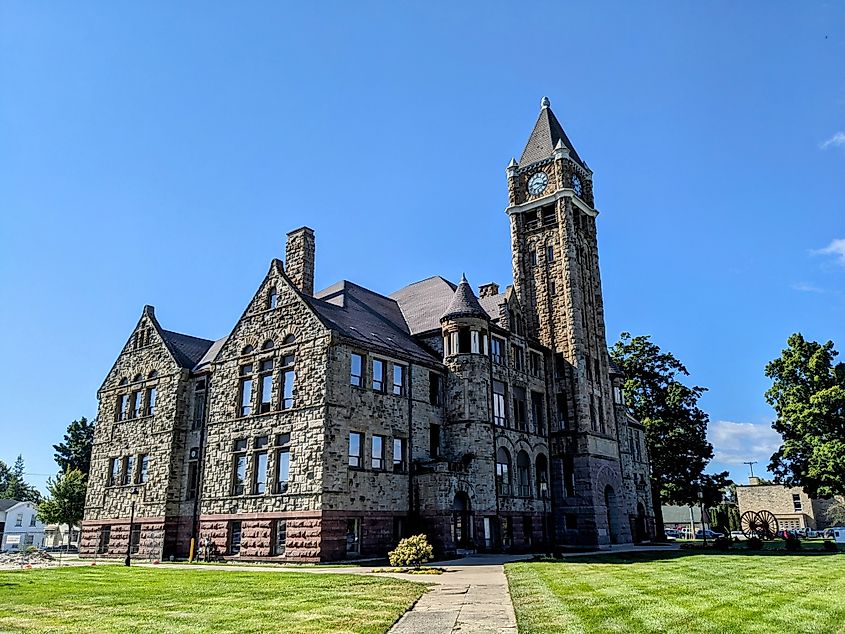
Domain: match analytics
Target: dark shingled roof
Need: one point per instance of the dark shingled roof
(366, 316)
(541, 144)
(423, 303)
(187, 350)
(6, 504)
(464, 303)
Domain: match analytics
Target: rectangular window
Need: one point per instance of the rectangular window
(128, 469)
(617, 396)
(199, 404)
(475, 341)
(137, 407)
(238, 473)
(288, 379)
(32, 520)
(517, 358)
(105, 538)
(399, 463)
(568, 477)
(353, 536)
(571, 521)
(552, 288)
(151, 401)
(135, 539)
(796, 503)
(378, 375)
(143, 468)
(121, 407)
(500, 416)
(19, 520)
(193, 480)
(532, 257)
(355, 442)
(560, 366)
(280, 531)
(245, 391)
(562, 412)
(282, 469)
(378, 452)
(434, 390)
(519, 409)
(235, 537)
(638, 446)
(434, 440)
(272, 298)
(507, 532)
(464, 339)
(265, 387)
(538, 413)
(497, 350)
(550, 253)
(593, 422)
(357, 366)
(536, 363)
(114, 471)
(398, 529)
(261, 442)
(399, 379)
(28, 540)
(259, 473)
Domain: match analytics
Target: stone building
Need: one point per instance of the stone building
(793, 508)
(328, 425)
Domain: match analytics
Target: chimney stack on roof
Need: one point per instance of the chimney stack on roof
(488, 290)
(299, 259)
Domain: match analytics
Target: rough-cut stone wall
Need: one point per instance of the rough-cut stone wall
(778, 499)
(299, 259)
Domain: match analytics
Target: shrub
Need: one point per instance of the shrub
(722, 543)
(829, 546)
(411, 551)
(754, 543)
(792, 543)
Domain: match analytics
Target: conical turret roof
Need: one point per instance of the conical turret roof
(464, 303)
(545, 136)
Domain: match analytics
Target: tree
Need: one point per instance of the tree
(16, 486)
(75, 451)
(65, 503)
(836, 513)
(676, 428)
(808, 396)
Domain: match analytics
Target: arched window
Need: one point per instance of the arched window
(247, 350)
(523, 474)
(542, 469)
(289, 339)
(503, 471)
(152, 375)
(272, 297)
(124, 381)
(138, 378)
(268, 345)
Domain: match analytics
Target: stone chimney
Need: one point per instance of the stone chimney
(488, 290)
(753, 481)
(299, 259)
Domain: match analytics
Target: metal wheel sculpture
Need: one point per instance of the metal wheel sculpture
(762, 524)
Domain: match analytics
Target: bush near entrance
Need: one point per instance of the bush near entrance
(411, 552)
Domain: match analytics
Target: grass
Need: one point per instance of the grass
(681, 592)
(112, 599)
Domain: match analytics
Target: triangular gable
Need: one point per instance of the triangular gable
(288, 300)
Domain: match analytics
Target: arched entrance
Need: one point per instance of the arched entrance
(461, 521)
(612, 505)
(639, 528)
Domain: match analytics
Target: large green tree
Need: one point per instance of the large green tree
(65, 503)
(16, 486)
(75, 451)
(808, 396)
(676, 427)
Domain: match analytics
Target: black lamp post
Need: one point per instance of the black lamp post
(128, 559)
(701, 510)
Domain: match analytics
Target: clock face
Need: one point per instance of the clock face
(577, 186)
(537, 184)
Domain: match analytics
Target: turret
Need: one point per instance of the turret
(465, 324)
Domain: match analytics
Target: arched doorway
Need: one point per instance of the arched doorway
(611, 505)
(639, 529)
(461, 521)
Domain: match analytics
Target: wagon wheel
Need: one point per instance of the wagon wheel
(748, 524)
(767, 525)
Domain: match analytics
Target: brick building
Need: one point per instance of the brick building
(327, 425)
(792, 507)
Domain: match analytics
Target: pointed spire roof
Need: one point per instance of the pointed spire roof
(464, 303)
(546, 135)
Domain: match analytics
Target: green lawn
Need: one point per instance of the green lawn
(116, 599)
(680, 592)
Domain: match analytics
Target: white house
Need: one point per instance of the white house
(22, 527)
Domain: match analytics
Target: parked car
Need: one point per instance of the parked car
(672, 534)
(699, 534)
(738, 535)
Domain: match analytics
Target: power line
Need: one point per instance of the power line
(751, 464)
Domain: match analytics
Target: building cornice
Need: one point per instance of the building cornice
(566, 192)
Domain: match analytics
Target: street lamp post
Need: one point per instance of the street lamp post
(701, 510)
(128, 559)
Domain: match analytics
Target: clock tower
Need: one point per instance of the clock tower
(556, 277)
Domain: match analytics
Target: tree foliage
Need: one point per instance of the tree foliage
(836, 513)
(808, 396)
(65, 503)
(13, 485)
(75, 451)
(676, 427)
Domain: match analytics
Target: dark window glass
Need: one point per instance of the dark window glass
(355, 376)
(562, 411)
(523, 474)
(151, 401)
(399, 464)
(279, 536)
(234, 537)
(265, 396)
(105, 538)
(464, 345)
(398, 379)
(239, 474)
(378, 452)
(355, 439)
(538, 413)
(500, 416)
(497, 350)
(353, 536)
(122, 407)
(519, 409)
(550, 253)
(143, 468)
(193, 480)
(503, 469)
(245, 390)
(114, 477)
(434, 440)
(434, 390)
(378, 375)
(259, 476)
(288, 380)
(135, 539)
(128, 469)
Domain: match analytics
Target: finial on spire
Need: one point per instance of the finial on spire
(545, 103)
(464, 278)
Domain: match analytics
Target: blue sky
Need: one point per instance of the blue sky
(158, 153)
